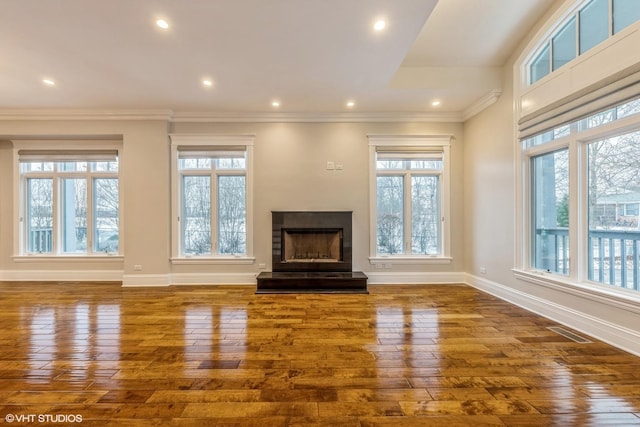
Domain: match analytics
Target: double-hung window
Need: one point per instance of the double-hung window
(212, 197)
(410, 200)
(69, 202)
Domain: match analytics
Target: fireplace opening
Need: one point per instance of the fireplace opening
(312, 245)
(311, 241)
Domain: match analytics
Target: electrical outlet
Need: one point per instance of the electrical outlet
(483, 270)
(331, 166)
(137, 267)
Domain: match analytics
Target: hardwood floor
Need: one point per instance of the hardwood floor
(436, 355)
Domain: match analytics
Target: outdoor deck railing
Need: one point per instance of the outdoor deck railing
(614, 260)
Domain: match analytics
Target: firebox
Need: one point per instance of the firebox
(311, 241)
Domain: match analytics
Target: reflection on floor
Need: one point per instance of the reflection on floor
(435, 355)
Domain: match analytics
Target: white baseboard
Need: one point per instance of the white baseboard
(616, 335)
(61, 275)
(213, 279)
(145, 280)
(414, 278)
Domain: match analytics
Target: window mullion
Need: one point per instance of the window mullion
(57, 214)
(407, 213)
(213, 187)
(91, 202)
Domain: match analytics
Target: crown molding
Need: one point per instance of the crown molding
(81, 114)
(221, 117)
(487, 100)
(226, 117)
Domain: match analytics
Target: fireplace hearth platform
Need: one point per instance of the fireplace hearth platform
(352, 282)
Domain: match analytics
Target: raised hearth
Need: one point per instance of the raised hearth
(311, 252)
(318, 282)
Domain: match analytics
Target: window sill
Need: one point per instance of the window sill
(239, 259)
(622, 298)
(68, 258)
(410, 260)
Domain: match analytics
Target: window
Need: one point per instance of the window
(613, 180)
(585, 224)
(588, 26)
(625, 13)
(69, 202)
(564, 44)
(410, 194)
(550, 211)
(541, 65)
(212, 198)
(594, 24)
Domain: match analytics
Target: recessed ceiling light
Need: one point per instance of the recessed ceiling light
(162, 24)
(351, 104)
(435, 104)
(48, 82)
(275, 104)
(207, 82)
(379, 25)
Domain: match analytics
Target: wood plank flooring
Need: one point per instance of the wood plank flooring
(435, 355)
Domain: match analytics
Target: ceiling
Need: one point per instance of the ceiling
(312, 56)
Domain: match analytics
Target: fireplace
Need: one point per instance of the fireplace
(311, 241)
(311, 252)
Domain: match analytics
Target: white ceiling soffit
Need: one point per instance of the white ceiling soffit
(108, 59)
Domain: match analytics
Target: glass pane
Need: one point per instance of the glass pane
(625, 13)
(231, 163)
(598, 119)
(105, 215)
(39, 215)
(391, 164)
(196, 215)
(390, 215)
(614, 194)
(105, 166)
(425, 215)
(36, 166)
(559, 132)
(541, 65)
(564, 44)
(550, 212)
(232, 215)
(629, 108)
(73, 166)
(426, 164)
(74, 215)
(195, 163)
(594, 24)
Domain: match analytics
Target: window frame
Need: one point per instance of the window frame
(211, 142)
(397, 143)
(64, 150)
(577, 143)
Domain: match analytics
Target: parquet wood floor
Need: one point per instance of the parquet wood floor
(437, 355)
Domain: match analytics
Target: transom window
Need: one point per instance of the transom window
(410, 215)
(591, 24)
(211, 197)
(70, 202)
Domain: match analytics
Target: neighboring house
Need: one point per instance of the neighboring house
(618, 210)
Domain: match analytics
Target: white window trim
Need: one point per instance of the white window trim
(208, 140)
(19, 250)
(436, 141)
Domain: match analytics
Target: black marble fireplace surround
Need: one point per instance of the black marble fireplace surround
(311, 252)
